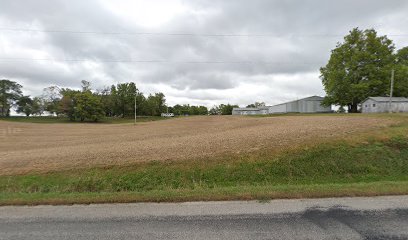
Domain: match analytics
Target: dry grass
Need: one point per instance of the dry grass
(36, 148)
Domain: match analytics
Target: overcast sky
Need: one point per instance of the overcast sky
(203, 52)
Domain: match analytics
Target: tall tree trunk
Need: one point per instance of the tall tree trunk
(354, 108)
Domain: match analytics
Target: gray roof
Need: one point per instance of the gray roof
(387, 99)
(311, 98)
(315, 98)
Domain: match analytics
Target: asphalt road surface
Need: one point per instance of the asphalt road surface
(334, 218)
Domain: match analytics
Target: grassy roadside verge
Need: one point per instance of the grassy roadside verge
(375, 163)
(261, 193)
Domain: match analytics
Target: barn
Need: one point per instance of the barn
(311, 104)
(382, 105)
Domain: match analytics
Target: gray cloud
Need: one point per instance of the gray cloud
(280, 66)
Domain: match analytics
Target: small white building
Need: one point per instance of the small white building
(246, 111)
(167, 114)
(382, 105)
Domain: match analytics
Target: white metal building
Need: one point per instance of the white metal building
(382, 105)
(246, 111)
(306, 105)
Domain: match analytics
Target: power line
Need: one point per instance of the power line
(181, 33)
(155, 61)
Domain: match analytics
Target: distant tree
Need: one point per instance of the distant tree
(107, 101)
(124, 97)
(401, 73)
(38, 106)
(215, 110)
(194, 110)
(222, 109)
(180, 109)
(88, 107)
(227, 109)
(10, 92)
(203, 110)
(81, 105)
(67, 104)
(51, 97)
(156, 104)
(161, 102)
(358, 68)
(140, 103)
(176, 109)
(256, 105)
(186, 109)
(86, 86)
(25, 105)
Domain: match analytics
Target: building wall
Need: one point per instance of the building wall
(246, 112)
(312, 106)
(263, 111)
(281, 108)
(306, 105)
(292, 107)
(371, 106)
(400, 107)
(309, 105)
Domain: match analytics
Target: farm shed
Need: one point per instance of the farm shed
(305, 105)
(382, 104)
(246, 111)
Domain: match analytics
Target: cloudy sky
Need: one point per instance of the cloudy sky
(196, 51)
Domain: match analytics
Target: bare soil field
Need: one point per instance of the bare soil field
(30, 147)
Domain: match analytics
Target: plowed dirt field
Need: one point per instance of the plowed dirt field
(28, 147)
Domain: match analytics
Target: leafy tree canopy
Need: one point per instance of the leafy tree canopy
(25, 105)
(256, 105)
(358, 68)
(10, 92)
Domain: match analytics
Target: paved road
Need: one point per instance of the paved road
(341, 218)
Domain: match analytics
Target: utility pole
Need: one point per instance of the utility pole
(391, 91)
(135, 105)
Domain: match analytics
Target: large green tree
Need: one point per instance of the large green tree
(156, 104)
(222, 109)
(81, 105)
(10, 92)
(38, 106)
(186, 109)
(52, 98)
(358, 68)
(25, 105)
(401, 73)
(88, 106)
(67, 104)
(123, 95)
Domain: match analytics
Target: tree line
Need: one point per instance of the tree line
(87, 104)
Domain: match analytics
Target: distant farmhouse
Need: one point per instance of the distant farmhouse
(306, 105)
(382, 105)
